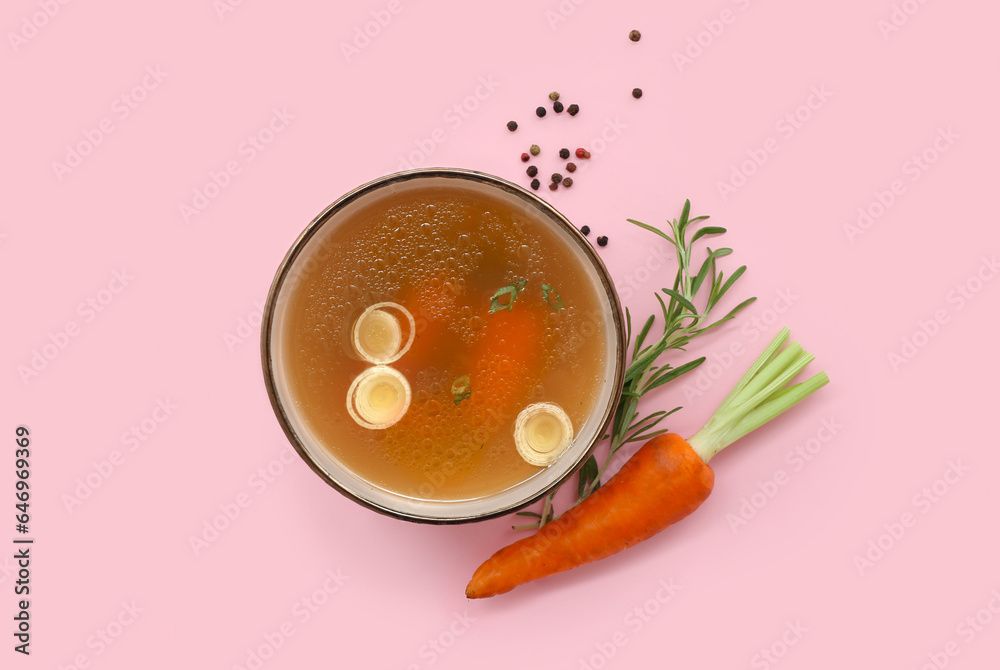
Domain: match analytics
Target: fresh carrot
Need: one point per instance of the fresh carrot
(663, 482)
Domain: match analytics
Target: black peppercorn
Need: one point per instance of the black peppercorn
(557, 107)
(564, 153)
(535, 184)
(603, 240)
(636, 92)
(635, 35)
(540, 112)
(512, 126)
(532, 170)
(585, 230)
(573, 109)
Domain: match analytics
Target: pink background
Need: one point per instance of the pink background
(787, 581)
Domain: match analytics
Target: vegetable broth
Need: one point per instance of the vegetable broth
(443, 253)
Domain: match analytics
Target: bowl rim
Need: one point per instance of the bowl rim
(547, 209)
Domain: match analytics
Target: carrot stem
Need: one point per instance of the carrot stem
(761, 395)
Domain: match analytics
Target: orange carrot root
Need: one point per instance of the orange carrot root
(660, 485)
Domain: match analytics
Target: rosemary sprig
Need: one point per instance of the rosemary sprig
(683, 320)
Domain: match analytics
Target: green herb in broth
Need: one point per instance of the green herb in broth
(460, 385)
(512, 290)
(460, 389)
(555, 303)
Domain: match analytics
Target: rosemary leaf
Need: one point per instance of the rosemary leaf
(682, 300)
(707, 230)
(672, 374)
(642, 335)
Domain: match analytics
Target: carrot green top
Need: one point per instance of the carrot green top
(760, 396)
